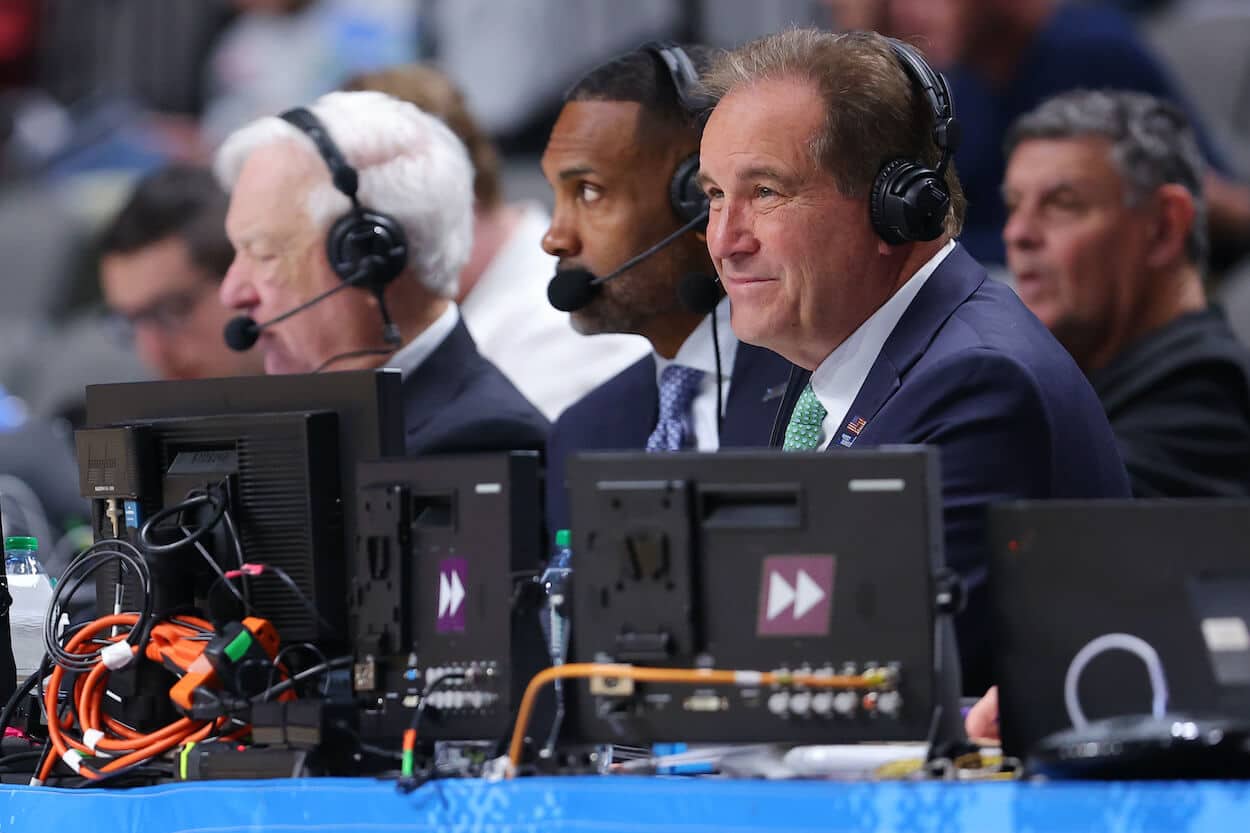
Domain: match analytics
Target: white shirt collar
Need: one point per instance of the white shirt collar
(409, 357)
(696, 351)
(837, 380)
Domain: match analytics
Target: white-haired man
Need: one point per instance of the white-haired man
(287, 193)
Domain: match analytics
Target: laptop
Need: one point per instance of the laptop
(1151, 599)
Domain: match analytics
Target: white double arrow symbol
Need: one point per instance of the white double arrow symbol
(804, 595)
(450, 593)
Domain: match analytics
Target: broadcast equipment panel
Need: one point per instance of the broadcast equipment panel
(822, 565)
(446, 547)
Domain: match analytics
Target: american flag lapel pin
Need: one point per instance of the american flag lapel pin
(851, 432)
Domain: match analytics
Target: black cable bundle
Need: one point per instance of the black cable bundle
(76, 574)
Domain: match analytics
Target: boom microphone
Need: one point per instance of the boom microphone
(572, 289)
(242, 331)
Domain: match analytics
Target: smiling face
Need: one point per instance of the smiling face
(798, 259)
(280, 262)
(610, 177)
(1077, 249)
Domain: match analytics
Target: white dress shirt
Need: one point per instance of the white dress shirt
(409, 357)
(532, 342)
(837, 380)
(697, 352)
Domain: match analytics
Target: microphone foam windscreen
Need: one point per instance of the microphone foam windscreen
(241, 333)
(572, 289)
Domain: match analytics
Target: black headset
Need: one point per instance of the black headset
(909, 200)
(687, 198)
(366, 247)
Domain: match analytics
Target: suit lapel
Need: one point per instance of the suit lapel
(755, 393)
(794, 386)
(631, 416)
(879, 386)
(437, 380)
(955, 279)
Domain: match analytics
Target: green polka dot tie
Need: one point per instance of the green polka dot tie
(803, 433)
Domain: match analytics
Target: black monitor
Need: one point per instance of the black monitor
(1171, 577)
(282, 452)
(758, 561)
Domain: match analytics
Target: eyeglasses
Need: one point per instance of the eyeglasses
(166, 313)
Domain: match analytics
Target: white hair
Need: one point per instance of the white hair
(410, 165)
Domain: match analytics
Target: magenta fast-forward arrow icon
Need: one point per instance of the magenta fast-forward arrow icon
(796, 595)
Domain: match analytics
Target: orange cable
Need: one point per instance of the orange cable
(88, 696)
(686, 676)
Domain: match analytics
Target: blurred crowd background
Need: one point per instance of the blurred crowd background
(96, 93)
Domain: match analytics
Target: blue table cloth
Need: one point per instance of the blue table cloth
(632, 805)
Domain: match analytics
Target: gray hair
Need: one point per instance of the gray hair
(1152, 144)
(411, 166)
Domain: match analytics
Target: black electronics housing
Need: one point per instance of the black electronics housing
(446, 547)
(279, 454)
(760, 561)
(1172, 574)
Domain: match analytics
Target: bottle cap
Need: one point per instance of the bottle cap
(21, 542)
(563, 538)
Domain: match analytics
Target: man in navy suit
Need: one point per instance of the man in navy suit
(412, 170)
(833, 217)
(622, 137)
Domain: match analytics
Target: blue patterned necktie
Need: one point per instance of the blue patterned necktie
(675, 428)
(804, 433)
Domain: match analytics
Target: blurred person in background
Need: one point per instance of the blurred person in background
(397, 218)
(278, 53)
(1106, 235)
(1003, 58)
(18, 41)
(162, 261)
(503, 286)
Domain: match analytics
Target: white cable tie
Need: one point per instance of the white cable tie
(90, 738)
(751, 678)
(498, 769)
(117, 656)
(73, 759)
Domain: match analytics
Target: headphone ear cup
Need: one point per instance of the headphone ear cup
(367, 240)
(908, 203)
(684, 193)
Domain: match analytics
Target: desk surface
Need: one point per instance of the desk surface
(633, 804)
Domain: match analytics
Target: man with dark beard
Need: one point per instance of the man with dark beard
(626, 139)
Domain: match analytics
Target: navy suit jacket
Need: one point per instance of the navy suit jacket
(457, 401)
(970, 370)
(620, 415)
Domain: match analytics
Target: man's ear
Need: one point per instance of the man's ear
(1174, 215)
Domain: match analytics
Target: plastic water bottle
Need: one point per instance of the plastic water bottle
(554, 618)
(32, 594)
(556, 585)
